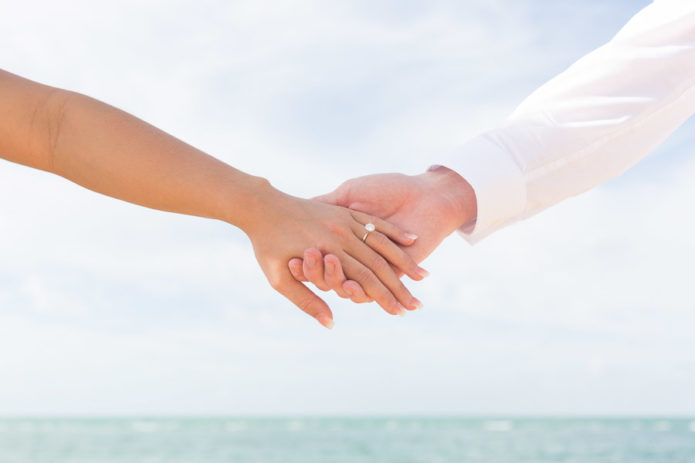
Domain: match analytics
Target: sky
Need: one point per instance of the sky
(112, 309)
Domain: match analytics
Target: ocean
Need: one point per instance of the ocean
(339, 440)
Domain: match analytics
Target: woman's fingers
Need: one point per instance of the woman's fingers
(383, 271)
(394, 232)
(369, 261)
(395, 255)
(364, 253)
(373, 284)
(305, 299)
(327, 272)
(381, 241)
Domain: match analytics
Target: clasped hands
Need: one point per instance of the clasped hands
(412, 215)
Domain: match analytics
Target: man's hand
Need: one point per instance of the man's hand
(430, 205)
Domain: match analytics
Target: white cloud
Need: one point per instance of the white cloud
(126, 310)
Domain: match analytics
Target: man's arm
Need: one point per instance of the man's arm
(587, 125)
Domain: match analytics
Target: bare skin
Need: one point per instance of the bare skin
(111, 152)
(432, 205)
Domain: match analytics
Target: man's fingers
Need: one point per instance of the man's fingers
(306, 300)
(333, 274)
(296, 267)
(330, 198)
(334, 278)
(313, 268)
(356, 293)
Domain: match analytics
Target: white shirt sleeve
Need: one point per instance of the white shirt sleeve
(588, 124)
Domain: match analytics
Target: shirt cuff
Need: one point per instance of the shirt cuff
(498, 182)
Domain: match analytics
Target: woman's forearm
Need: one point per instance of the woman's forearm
(111, 152)
(116, 154)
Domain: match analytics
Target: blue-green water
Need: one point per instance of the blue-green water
(338, 440)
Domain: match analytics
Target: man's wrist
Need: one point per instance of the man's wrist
(456, 194)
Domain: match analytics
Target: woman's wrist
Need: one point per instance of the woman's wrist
(246, 202)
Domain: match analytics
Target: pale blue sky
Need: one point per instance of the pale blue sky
(110, 308)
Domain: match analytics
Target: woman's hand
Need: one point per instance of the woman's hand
(285, 226)
(112, 152)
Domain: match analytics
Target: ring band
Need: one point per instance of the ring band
(369, 228)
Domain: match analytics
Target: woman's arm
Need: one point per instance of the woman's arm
(113, 153)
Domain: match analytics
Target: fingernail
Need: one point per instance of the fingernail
(349, 293)
(329, 268)
(416, 303)
(422, 272)
(411, 236)
(310, 262)
(326, 321)
(400, 310)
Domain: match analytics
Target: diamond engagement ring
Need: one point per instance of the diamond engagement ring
(370, 228)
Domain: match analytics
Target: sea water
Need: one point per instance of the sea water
(338, 440)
